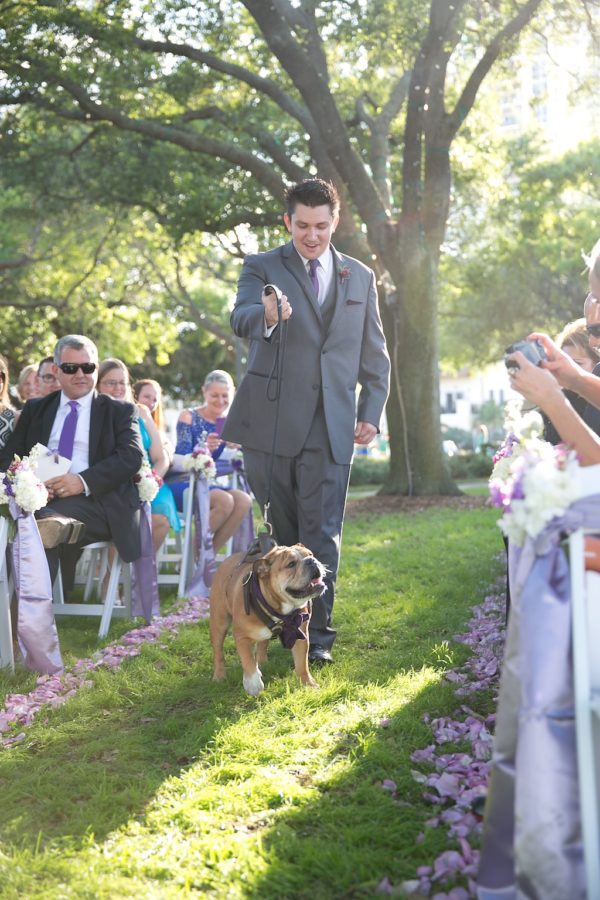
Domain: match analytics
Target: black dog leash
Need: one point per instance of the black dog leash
(275, 375)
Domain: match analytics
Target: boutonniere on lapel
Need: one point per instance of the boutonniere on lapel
(344, 274)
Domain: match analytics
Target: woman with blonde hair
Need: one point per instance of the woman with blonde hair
(574, 340)
(203, 423)
(27, 383)
(7, 413)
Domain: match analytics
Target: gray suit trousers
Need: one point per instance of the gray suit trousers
(308, 497)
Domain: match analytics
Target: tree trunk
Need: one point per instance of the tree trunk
(417, 464)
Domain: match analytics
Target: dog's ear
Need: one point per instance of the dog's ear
(302, 549)
(262, 566)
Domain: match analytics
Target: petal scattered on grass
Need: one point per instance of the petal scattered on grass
(19, 710)
(460, 779)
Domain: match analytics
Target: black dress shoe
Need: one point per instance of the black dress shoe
(55, 530)
(319, 656)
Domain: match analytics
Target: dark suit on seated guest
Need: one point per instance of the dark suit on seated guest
(106, 453)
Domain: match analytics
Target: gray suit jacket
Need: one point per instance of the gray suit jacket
(319, 362)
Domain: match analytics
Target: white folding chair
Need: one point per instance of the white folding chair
(180, 551)
(7, 660)
(103, 558)
(585, 604)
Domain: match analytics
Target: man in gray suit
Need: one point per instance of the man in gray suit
(303, 373)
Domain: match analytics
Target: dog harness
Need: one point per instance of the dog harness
(285, 627)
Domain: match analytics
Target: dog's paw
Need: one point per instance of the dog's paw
(218, 675)
(309, 682)
(253, 684)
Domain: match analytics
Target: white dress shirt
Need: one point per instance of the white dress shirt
(324, 272)
(324, 275)
(81, 447)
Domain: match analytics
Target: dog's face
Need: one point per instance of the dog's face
(289, 577)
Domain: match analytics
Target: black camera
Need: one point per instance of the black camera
(532, 350)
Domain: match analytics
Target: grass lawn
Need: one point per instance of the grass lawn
(157, 783)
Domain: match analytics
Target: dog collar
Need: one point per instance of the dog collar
(286, 627)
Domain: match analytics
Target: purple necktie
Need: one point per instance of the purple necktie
(313, 265)
(67, 435)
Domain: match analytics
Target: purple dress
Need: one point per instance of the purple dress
(188, 435)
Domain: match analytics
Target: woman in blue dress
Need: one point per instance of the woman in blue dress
(228, 507)
(113, 379)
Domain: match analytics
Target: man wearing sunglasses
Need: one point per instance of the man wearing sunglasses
(96, 499)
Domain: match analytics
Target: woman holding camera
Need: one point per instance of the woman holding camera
(542, 385)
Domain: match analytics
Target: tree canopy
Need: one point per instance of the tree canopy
(187, 121)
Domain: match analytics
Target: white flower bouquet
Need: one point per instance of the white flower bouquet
(22, 484)
(532, 481)
(200, 461)
(148, 482)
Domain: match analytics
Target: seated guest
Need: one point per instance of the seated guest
(228, 507)
(148, 392)
(113, 379)
(96, 500)
(540, 385)
(46, 377)
(7, 413)
(27, 383)
(575, 341)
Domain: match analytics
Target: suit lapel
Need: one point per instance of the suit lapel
(341, 282)
(97, 415)
(48, 417)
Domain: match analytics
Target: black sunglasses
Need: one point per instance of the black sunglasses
(593, 330)
(71, 368)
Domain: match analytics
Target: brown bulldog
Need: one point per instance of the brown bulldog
(264, 598)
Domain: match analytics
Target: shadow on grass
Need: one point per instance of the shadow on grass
(100, 761)
(103, 758)
(91, 765)
(354, 832)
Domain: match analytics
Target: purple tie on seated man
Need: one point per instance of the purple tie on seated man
(96, 500)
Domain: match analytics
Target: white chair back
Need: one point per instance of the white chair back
(585, 603)
(7, 660)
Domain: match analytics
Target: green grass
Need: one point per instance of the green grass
(158, 783)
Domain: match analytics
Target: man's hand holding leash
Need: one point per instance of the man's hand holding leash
(271, 299)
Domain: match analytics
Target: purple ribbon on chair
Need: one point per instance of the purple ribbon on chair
(532, 830)
(144, 577)
(36, 628)
(223, 467)
(205, 567)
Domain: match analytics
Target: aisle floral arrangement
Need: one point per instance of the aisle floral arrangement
(148, 482)
(200, 460)
(532, 481)
(21, 484)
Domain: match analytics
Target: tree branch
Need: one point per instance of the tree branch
(97, 111)
(493, 51)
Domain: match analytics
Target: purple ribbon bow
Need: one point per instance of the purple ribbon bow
(36, 628)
